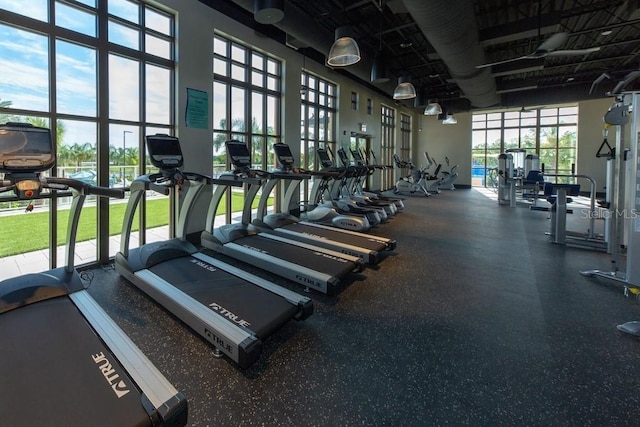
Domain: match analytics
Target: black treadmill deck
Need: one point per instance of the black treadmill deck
(339, 236)
(82, 384)
(235, 299)
(317, 261)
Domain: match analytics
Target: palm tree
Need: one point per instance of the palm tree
(4, 118)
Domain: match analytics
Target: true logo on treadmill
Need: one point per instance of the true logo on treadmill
(349, 224)
(308, 281)
(203, 265)
(256, 249)
(335, 258)
(113, 379)
(229, 315)
(218, 342)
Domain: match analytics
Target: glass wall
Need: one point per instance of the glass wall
(551, 133)
(387, 145)
(317, 128)
(246, 105)
(100, 78)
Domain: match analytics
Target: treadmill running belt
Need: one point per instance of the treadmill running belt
(51, 375)
(236, 299)
(338, 236)
(297, 255)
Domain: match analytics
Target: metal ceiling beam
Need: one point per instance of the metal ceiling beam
(517, 67)
(522, 29)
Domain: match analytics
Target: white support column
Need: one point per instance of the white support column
(632, 207)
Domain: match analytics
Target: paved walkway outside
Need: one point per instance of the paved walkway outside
(35, 262)
(85, 253)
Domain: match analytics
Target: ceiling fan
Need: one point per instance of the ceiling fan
(548, 48)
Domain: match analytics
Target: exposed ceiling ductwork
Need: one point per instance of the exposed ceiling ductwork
(440, 22)
(450, 27)
(307, 31)
(440, 43)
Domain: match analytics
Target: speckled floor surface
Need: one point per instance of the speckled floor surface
(474, 320)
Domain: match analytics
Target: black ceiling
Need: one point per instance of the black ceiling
(498, 30)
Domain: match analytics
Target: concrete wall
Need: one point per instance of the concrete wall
(453, 141)
(590, 127)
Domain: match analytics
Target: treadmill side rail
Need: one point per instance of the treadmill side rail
(169, 405)
(238, 343)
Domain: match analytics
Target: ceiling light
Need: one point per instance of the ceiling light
(606, 33)
(404, 90)
(450, 120)
(345, 50)
(570, 79)
(406, 43)
(433, 108)
(268, 11)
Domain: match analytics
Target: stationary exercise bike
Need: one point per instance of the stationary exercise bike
(414, 182)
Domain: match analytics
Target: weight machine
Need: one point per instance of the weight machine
(625, 199)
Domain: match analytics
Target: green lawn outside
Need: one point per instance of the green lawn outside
(27, 232)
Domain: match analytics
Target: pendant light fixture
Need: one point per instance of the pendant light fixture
(405, 89)
(268, 11)
(450, 120)
(345, 50)
(432, 108)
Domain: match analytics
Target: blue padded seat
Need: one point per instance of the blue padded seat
(551, 191)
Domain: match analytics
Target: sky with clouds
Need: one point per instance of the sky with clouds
(24, 69)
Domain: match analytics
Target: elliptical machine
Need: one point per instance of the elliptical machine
(414, 182)
(448, 176)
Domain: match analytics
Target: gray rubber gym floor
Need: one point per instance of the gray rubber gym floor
(474, 320)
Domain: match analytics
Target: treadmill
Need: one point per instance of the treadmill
(308, 265)
(366, 246)
(231, 309)
(64, 361)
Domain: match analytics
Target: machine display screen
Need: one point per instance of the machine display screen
(283, 152)
(238, 153)
(324, 158)
(164, 151)
(25, 148)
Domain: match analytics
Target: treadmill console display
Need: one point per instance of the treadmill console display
(164, 151)
(325, 161)
(343, 157)
(25, 148)
(357, 157)
(284, 155)
(239, 154)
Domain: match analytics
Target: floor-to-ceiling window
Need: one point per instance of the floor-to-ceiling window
(405, 137)
(99, 74)
(246, 103)
(550, 133)
(317, 127)
(387, 145)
